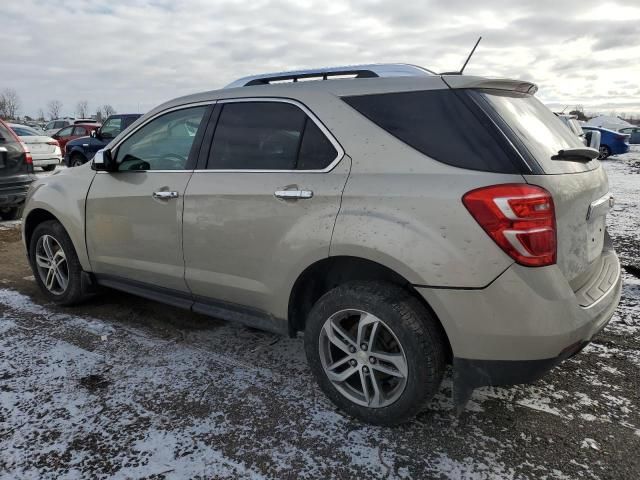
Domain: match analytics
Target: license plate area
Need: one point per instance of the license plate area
(595, 237)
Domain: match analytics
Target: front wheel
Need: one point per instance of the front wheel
(604, 152)
(77, 161)
(375, 350)
(55, 264)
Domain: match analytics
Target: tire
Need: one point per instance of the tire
(49, 168)
(77, 160)
(605, 152)
(39, 256)
(11, 213)
(405, 330)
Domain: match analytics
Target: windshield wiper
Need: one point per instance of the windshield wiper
(584, 154)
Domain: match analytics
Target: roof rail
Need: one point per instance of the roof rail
(358, 71)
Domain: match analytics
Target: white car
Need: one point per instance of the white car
(45, 150)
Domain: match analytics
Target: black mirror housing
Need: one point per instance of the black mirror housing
(104, 161)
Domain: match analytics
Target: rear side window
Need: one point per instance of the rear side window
(268, 136)
(5, 135)
(441, 125)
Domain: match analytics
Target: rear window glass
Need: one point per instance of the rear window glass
(441, 125)
(535, 129)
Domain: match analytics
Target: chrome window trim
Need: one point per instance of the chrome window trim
(159, 114)
(340, 155)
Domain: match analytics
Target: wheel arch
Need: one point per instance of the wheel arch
(326, 274)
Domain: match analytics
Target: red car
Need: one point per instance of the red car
(74, 131)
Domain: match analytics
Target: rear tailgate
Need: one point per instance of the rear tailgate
(579, 189)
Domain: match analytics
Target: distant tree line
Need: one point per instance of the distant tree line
(10, 106)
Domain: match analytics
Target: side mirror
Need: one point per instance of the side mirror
(94, 133)
(103, 161)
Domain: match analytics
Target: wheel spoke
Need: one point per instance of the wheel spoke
(60, 278)
(395, 359)
(365, 387)
(337, 336)
(372, 335)
(377, 393)
(42, 261)
(50, 278)
(339, 363)
(342, 376)
(46, 245)
(363, 323)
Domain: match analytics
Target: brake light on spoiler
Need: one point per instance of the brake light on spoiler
(520, 218)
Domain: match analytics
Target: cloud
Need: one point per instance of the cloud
(135, 54)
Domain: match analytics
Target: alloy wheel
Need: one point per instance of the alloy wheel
(363, 358)
(52, 266)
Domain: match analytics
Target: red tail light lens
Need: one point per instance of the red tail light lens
(520, 218)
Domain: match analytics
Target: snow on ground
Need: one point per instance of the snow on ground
(126, 388)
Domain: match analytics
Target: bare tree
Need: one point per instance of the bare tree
(54, 107)
(82, 108)
(41, 115)
(9, 103)
(107, 110)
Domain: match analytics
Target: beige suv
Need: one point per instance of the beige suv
(401, 219)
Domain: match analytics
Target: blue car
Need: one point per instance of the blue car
(82, 149)
(611, 143)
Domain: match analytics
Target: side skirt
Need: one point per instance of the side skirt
(207, 306)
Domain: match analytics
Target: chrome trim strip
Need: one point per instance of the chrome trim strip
(300, 105)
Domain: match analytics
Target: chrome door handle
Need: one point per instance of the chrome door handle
(165, 195)
(293, 194)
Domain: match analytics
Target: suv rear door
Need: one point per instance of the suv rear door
(134, 215)
(262, 204)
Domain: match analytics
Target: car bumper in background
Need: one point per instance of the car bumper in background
(619, 148)
(43, 161)
(13, 195)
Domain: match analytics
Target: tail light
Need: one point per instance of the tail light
(520, 218)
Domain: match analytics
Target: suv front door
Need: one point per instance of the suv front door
(261, 206)
(134, 215)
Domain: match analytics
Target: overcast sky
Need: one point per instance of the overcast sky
(134, 54)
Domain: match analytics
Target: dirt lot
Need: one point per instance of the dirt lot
(130, 388)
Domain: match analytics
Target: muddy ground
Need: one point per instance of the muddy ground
(127, 388)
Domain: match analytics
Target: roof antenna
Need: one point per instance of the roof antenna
(466, 61)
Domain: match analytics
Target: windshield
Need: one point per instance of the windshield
(537, 129)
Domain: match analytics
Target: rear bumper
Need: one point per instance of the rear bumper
(43, 162)
(619, 148)
(523, 324)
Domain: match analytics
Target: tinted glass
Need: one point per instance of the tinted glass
(316, 151)
(163, 143)
(79, 131)
(257, 136)
(440, 124)
(537, 129)
(7, 136)
(60, 124)
(111, 128)
(65, 132)
(25, 132)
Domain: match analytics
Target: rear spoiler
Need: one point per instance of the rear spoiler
(465, 81)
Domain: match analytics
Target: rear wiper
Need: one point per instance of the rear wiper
(583, 155)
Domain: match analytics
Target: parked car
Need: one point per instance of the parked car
(54, 125)
(611, 142)
(45, 150)
(633, 132)
(355, 211)
(16, 173)
(74, 131)
(81, 150)
(590, 138)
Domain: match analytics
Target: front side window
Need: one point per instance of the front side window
(111, 128)
(162, 144)
(268, 136)
(65, 132)
(61, 124)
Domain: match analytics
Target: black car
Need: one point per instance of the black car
(16, 173)
(81, 150)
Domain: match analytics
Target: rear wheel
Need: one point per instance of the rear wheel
(49, 168)
(10, 213)
(77, 160)
(55, 264)
(376, 351)
(604, 152)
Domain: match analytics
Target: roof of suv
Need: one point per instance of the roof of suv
(399, 79)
